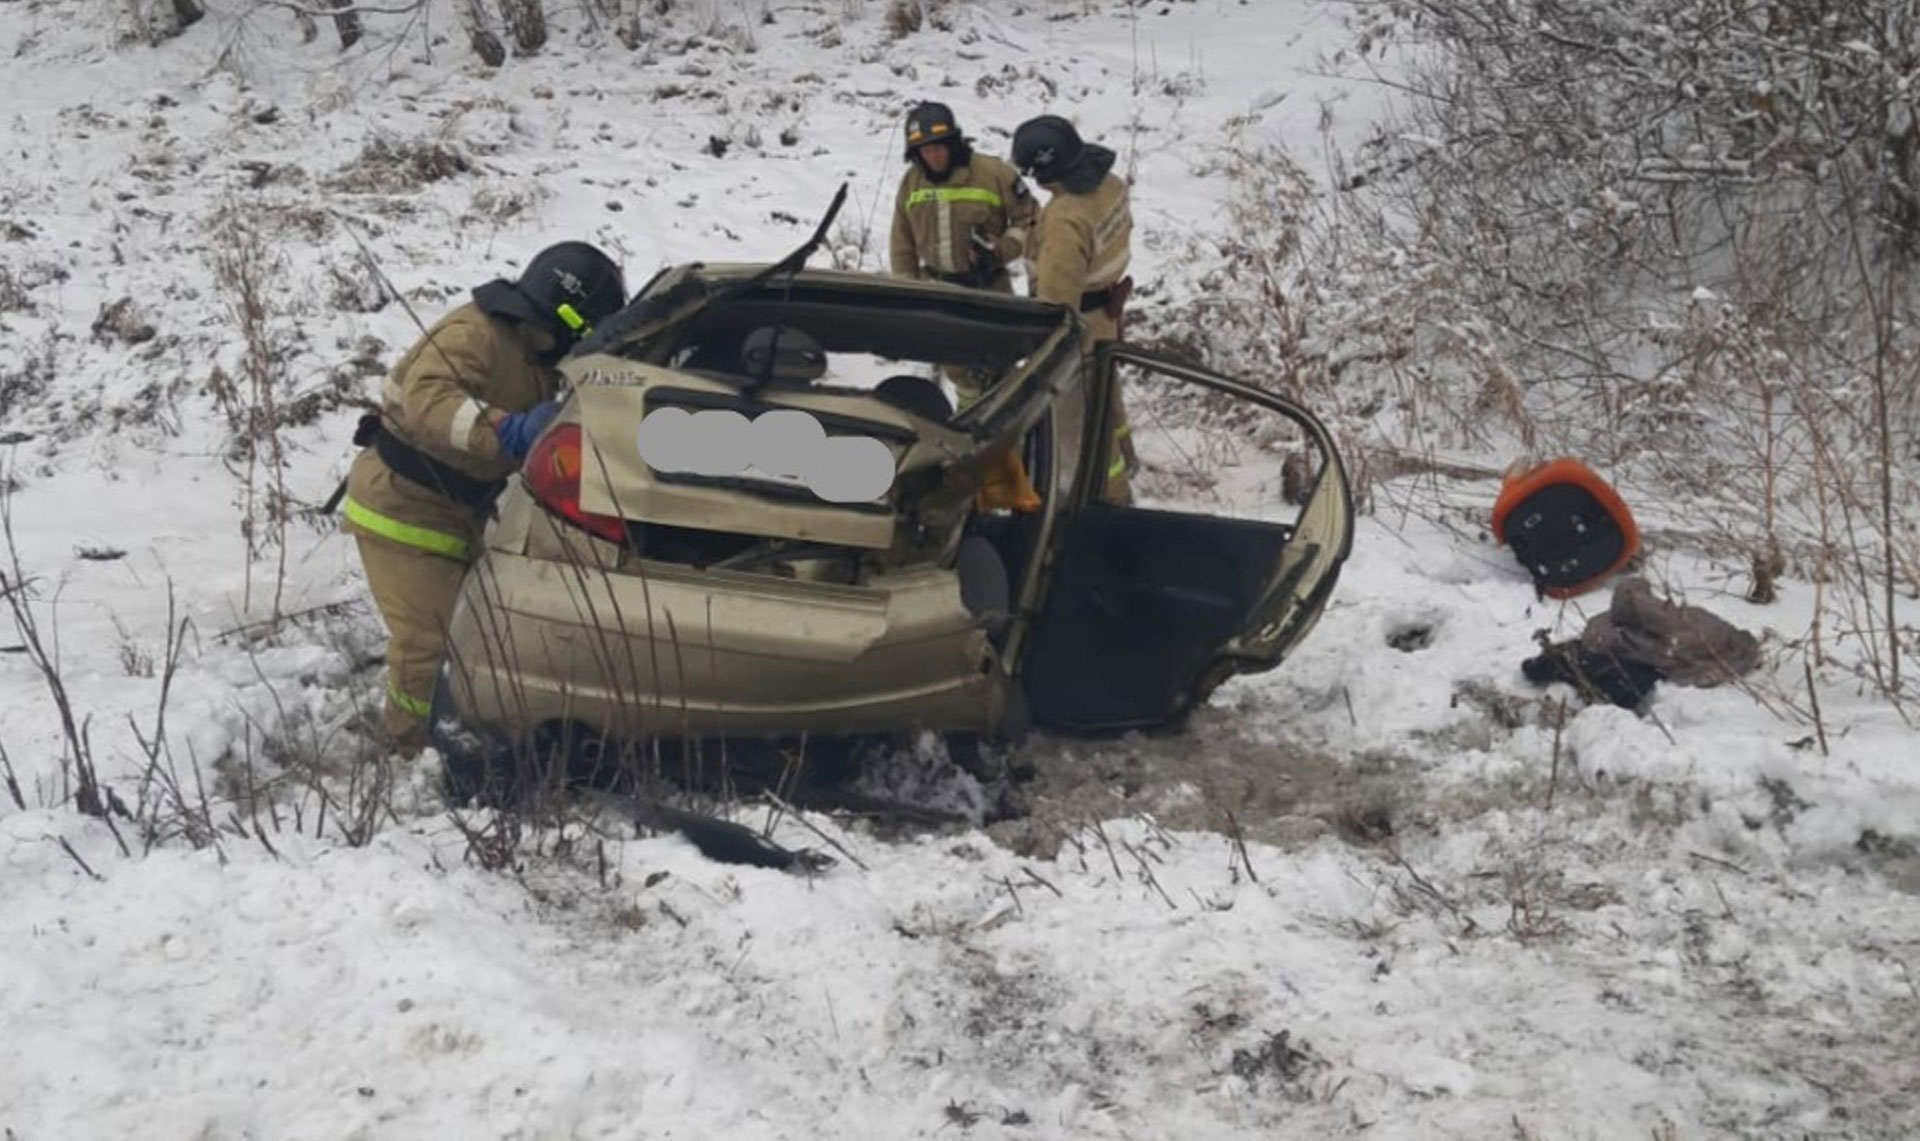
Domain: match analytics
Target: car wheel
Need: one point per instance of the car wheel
(471, 756)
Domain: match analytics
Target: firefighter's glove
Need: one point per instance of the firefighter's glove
(518, 430)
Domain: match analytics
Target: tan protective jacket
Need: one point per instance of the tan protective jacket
(1080, 244)
(439, 399)
(933, 221)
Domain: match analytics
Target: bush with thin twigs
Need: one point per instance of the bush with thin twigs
(164, 808)
(32, 379)
(905, 17)
(309, 773)
(287, 773)
(247, 269)
(13, 292)
(1300, 300)
(1552, 256)
(80, 782)
(1691, 229)
(157, 21)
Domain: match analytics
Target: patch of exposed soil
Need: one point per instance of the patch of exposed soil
(1219, 774)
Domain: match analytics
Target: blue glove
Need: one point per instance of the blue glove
(518, 430)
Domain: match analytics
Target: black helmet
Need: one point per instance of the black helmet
(1045, 148)
(575, 283)
(930, 123)
(1050, 151)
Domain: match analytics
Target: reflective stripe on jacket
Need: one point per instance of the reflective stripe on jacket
(933, 222)
(437, 399)
(387, 527)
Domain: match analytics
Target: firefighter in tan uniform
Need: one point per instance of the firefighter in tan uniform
(959, 216)
(457, 415)
(1079, 250)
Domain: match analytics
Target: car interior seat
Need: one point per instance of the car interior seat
(985, 589)
(917, 395)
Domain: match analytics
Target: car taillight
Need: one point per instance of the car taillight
(552, 471)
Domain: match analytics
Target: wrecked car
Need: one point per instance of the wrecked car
(759, 522)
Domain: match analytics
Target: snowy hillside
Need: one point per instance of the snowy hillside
(1391, 890)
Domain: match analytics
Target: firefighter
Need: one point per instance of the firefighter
(457, 415)
(1079, 249)
(959, 216)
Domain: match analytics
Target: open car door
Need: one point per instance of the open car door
(1208, 522)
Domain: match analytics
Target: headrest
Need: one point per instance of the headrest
(783, 354)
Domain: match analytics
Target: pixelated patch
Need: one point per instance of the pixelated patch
(784, 446)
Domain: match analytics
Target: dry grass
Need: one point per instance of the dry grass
(398, 166)
(290, 773)
(250, 272)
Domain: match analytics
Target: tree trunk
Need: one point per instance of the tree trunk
(346, 21)
(626, 22)
(485, 44)
(527, 20)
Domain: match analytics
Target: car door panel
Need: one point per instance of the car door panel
(1145, 609)
(1140, 602)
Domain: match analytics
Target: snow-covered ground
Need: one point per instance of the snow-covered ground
(1451, 911)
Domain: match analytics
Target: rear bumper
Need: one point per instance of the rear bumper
(678, 652)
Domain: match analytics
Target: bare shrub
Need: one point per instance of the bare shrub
(13, 293)
(1582, 168)
(904, 17)
(135, 660)
(503, 203)
(393, 166)
(248, 270)
(158, 22)
(31, 379)
(18, 283)
(293, 771)
(351, 289)
(313, 764)
(1676, 239)
(80, 775)
(624, 16)
(1324, 303)
(168, 810)
(122, 321)
(320, 779)
(165, 808)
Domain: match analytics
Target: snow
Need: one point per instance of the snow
(1582, 924)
